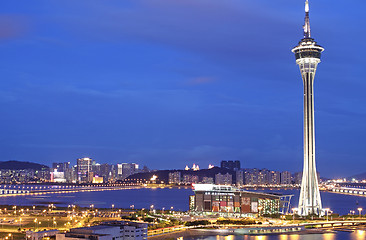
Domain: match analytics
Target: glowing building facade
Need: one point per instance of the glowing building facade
(226, 200)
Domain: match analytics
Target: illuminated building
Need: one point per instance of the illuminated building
(58, 177)
(107, 230)
(174, 178)
(223, 179)
(84, 169)
(208, 180)
(307, 54)
(61, 167)
(189, 179)
(239, 177)
(285, 177)
(125, 170)
(98, 179)
(210, 199)
(274, 178)
(195, 167)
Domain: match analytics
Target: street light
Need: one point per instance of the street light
(327, 211)
(359, 211)
(293, 213)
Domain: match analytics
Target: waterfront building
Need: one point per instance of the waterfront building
(239, 177)
(105, 171)
(72, 176)
(125, 170)
(121, 230)
(174, 178)
(61, 167)
(231, 165)
(223, 179)
(9, 176)
(274, 178)
(84, 169)
(285, 177)
(58, 177)
(189, 179)
(227, 200)
(307, 54)
(209, 180)
(251, 176)
(263, 177)
(97, 179)
(30, 235)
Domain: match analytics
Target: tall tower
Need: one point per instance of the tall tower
(307, 54)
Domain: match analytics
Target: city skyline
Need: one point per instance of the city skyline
(165, 83)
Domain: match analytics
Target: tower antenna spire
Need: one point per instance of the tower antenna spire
(307, 21)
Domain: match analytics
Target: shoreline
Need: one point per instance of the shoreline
(209, 232)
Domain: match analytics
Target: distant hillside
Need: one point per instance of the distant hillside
(360, 176)
(18, 165)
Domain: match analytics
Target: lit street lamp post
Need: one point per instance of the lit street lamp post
(359, 211)
(35, 224)
(353, 214)
(327, 211)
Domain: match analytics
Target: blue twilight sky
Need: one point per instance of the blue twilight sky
(167, 83)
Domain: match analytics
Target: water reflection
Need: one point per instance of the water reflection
(230, 237)
(283, 237)
(360, 234)
(329, 236)
(356, 235)
(294, 237)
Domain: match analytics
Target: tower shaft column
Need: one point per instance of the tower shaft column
(307, 54)
(310, 202)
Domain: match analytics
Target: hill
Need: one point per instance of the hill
(19, 165)
(361, 176)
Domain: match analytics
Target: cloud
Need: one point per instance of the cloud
(200, 80)
(12, 26)
(217, 29)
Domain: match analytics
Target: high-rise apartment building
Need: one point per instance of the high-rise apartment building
(174, 178)
(232, 165)
(223, 179)
(84, 169)
(239, 177)
(286, 177)
(125, 170)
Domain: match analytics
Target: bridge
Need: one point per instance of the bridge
(348, 190)
(333, 224)
(13, 191)
(39, 190)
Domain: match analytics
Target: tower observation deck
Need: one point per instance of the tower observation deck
(307, 54)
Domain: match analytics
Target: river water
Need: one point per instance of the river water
(356, 235)
(178, 198)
